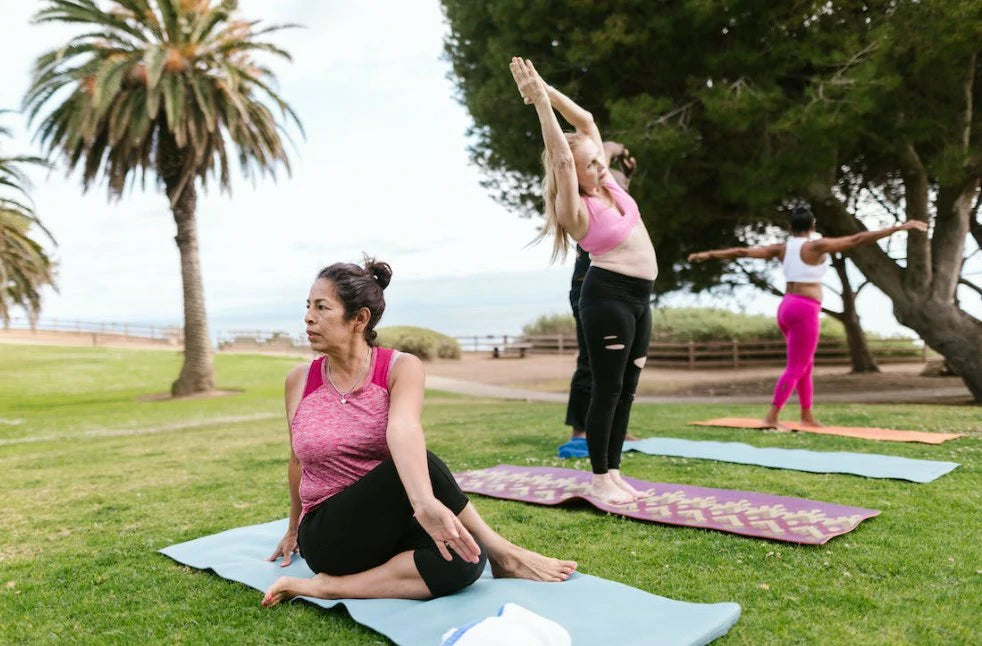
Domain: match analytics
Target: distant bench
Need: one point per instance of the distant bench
(515, 350)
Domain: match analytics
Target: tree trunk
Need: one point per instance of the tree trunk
(197, 374)
(859, 354)
(953, 333)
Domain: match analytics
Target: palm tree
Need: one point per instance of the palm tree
(162, 86)
(24, 266)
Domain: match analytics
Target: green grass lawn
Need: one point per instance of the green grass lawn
(95, 481)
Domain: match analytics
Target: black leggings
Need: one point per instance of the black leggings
(371, 521)
(579, 386)
(616, 314)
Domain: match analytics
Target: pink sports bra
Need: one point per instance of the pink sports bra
(607, 227)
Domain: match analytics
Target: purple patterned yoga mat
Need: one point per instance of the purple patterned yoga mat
(779, 518)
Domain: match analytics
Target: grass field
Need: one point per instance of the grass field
(95, 481)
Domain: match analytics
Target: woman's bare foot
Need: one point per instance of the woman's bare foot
(606, 489)
(770, 420)
(288, 587)
(520, 563)
(615, 475)
(808, 418)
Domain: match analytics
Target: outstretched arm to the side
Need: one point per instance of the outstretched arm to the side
(767, 253)
(814, 249)
(569, 208)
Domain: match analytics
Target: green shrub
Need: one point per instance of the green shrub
(715, 324)
(422, 342)
(551, 324)
(676, 324)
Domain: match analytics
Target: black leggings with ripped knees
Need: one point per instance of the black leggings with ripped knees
(615, 311)
(371, 521)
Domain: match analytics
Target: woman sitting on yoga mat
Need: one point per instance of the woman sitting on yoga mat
(371, 510)
(583, 202)
(804, 262)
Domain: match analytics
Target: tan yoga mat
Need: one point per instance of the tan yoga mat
(883, 434)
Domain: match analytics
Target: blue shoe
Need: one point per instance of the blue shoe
(575, 447)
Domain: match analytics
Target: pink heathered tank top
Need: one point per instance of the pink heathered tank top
(337, 444)
(608, 228)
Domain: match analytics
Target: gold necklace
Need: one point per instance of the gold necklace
(357, 381)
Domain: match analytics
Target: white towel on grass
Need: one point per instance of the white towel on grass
(512, 625)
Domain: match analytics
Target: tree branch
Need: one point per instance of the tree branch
(970, 285)
(875, 264)
(975, 226)
(886, 206)
(969, 89)
(916, 191)
(951, 227)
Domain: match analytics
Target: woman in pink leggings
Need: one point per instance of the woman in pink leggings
(804, 261)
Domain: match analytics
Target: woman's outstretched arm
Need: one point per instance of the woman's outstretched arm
(569, 211)
(844, 243)
(767, 252)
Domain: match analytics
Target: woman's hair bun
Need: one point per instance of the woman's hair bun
(380, 271)
(802, 219)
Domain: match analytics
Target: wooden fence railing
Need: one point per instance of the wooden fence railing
(690, 355)
(726, 354)
(102, 332)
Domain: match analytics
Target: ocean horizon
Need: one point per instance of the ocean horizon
(483, 304)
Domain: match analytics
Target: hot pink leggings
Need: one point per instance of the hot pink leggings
(798, 319)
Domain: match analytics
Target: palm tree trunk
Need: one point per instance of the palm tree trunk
(197, 373)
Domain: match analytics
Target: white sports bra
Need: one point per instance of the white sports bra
(797, 270)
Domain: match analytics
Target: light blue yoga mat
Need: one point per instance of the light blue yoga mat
(593, 610)
(871, 465)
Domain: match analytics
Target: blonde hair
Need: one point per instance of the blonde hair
(550, 187)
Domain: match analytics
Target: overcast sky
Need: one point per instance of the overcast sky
(383, 169)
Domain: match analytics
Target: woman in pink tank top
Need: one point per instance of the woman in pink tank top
(373, 512)
(798, 315)
(584, 202)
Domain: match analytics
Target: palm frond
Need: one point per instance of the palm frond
(152, 71)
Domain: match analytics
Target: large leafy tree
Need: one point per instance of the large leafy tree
(736, 108)
(25, 268)
(163, 87)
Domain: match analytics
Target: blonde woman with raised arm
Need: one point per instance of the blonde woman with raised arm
(585, 203)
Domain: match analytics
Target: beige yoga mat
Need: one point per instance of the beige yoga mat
(883, 434)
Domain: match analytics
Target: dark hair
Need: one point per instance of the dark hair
(802, 219)
(359, 287)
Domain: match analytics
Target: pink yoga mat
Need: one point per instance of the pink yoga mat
(779, 518)
(864, 433)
